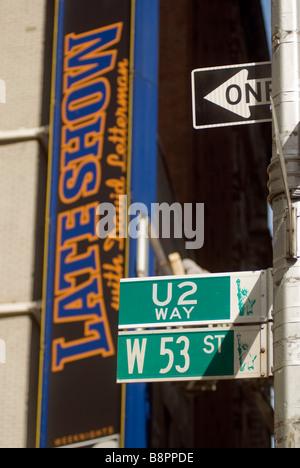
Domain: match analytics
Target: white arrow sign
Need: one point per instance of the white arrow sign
(231, 95)
(238, 94)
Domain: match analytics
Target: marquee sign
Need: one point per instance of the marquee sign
(79, 396)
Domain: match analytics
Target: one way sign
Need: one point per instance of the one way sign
(231, 95)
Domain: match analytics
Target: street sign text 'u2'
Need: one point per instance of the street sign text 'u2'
(164, 301)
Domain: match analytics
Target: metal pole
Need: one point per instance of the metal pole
(284, 197)
(142, 254)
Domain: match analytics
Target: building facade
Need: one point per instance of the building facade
(225, 168)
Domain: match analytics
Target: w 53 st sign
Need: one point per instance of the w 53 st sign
(192, 354)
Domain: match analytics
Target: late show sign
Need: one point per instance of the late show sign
(79, 398)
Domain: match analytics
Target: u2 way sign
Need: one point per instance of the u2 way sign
(231, 95)
(164, 301)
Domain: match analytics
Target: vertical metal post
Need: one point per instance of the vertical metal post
(284, 197)
(142, 255)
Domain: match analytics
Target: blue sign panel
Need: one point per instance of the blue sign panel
(79, 398)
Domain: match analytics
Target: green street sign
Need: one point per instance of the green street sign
(193, 354)
(194, 300)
